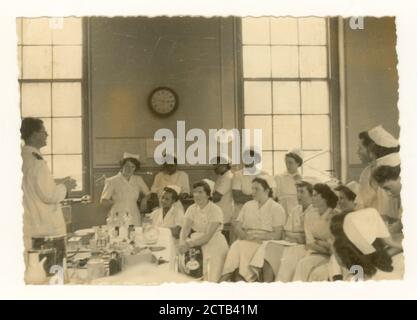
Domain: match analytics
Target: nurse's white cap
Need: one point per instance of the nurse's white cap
(353, 186)
(269, 180)
(169, 158)
(177, 189)
(130, 155)
(382, 137)
(222, 159)
(211, 185)
(310, 180)
(391, 160)
(363, 227)
(298, 152)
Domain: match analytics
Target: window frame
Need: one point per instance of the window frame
(332, 80)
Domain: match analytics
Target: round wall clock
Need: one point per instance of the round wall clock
(163, 101)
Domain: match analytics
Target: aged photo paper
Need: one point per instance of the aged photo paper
(259, 149)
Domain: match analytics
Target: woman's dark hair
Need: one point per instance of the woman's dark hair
(327, 194)
(30, 126)
(296, 157)
(221, 161)
(174, 194)
(304, 184)
(132, 160)
(351, 256)
(372, 147)
(350, 195)
(264, 185)
(205, 187)
(385, 173)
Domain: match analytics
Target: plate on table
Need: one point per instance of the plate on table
(84, 232)
(156, 248)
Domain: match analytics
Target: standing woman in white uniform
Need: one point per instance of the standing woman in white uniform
(206, 220)
(121, 192)
(286, 188)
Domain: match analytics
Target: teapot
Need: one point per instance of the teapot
(35, 272)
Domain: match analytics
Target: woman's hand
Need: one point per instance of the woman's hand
(254, 236)
(183, 247)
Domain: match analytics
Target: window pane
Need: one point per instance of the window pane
(70, 33)
(36, 99)
(316, 132)
(37, 62)
(48, 160)
(255, 30)
(279, 162)
(312, 31)
(256, 61)
(264, 123)
(67, 135)
(286, 97)
(67, 62)
(284, 31)
(317, 165)
(19, 30)
(285, 62)
(36, 31)
(66, 99)
(313, 62)
(257, 97)
(267, 163)
(287, 132)
(315, 97)
(68, 165)
(47, 124)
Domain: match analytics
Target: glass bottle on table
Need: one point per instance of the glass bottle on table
(150, 232)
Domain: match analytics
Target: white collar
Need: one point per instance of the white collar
(205, 209)
(265, 204)
(31, 149)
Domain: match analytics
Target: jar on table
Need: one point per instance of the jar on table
(96, 266)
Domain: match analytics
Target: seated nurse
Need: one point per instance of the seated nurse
(206, 220)
(317, 232)
(260, 219)
(168, 215)
(121, 192)
(358, 240)
(347, 196)
(280, 261)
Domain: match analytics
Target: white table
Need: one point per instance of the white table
(147, 273)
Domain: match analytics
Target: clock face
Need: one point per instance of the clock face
(163, 101)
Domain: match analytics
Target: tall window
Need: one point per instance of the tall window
(286, 89)
(51, 82)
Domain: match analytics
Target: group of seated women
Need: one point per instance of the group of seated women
(262, 228)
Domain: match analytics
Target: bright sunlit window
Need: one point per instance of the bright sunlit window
(286, 89)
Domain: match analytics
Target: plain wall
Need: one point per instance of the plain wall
(128, 58)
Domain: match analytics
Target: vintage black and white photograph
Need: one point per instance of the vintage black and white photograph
(183, 149)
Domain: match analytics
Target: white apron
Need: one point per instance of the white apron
(125, 195)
